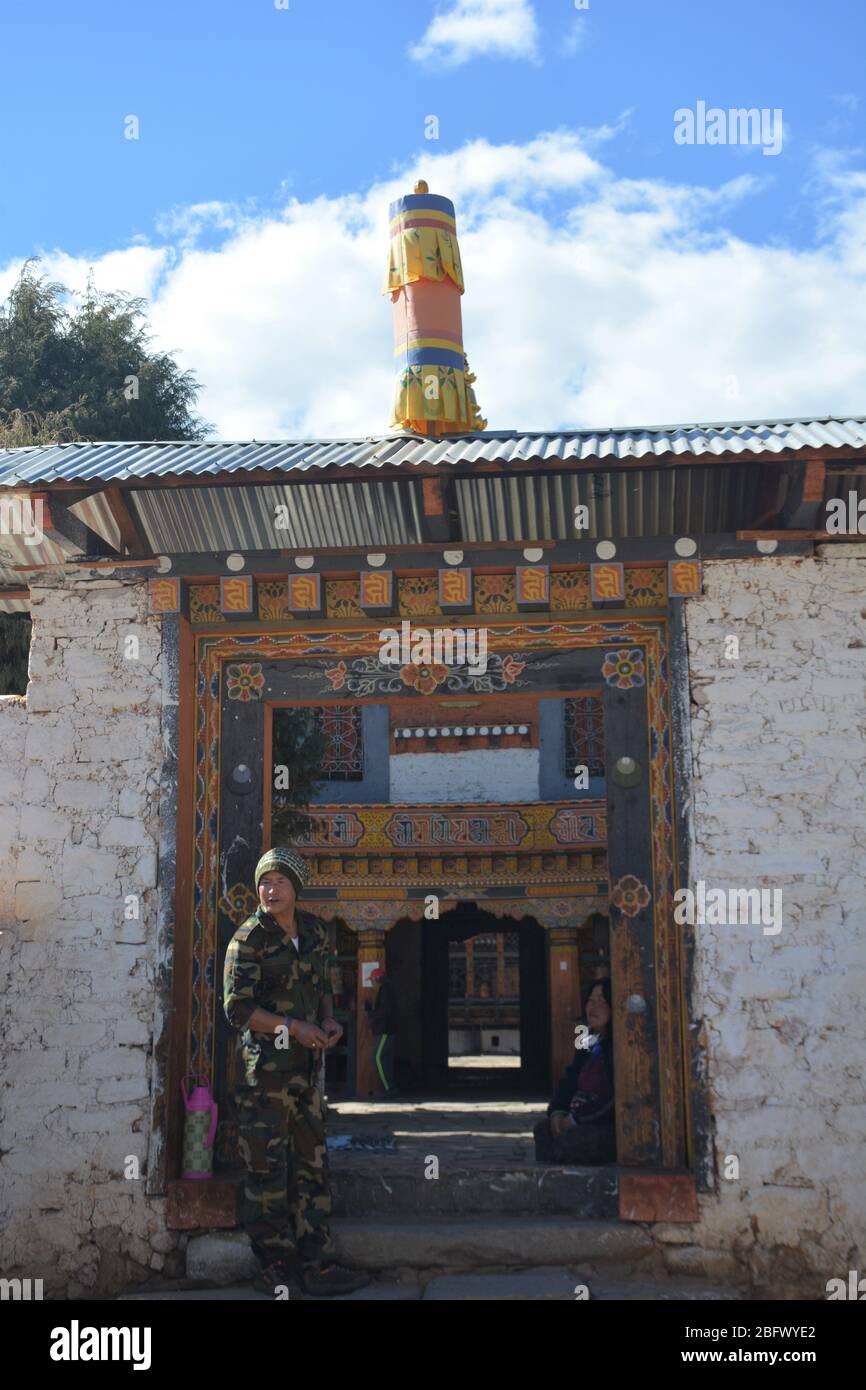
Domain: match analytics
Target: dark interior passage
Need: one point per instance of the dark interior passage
(438, 1018)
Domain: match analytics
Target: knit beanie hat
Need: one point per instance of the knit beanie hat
(286, 861)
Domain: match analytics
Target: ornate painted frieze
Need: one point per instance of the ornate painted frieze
(533, 587)
(624, 668)
(569, 589)
(377, 592)
(343, 598)
(684, 578)
(645, 588)
(468, 828)
(237, 595)
(165, 595)
(204, 604)
(566, 908)
(455, 590)
(495, 593)
(365, 676)
(305, 594)
(273, 600)
(418, 596)
(607, 582)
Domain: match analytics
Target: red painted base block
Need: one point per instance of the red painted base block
(194, 1206)
(658, 1197)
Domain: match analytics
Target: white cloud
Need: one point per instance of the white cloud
(591, 300)
(576, 36)
(480, 28)
(135, 269)
(185, 225)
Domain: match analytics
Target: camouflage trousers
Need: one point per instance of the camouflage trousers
(286, 1201)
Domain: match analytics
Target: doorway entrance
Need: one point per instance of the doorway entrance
(556, 860)
(483, 1003)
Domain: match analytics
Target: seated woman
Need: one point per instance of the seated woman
(579, 1126)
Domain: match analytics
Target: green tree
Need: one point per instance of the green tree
(20, 427)
(88, 369)
(299, 747)
(80, 371)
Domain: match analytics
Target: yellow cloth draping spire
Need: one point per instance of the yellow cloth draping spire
(423, 253)
(436, 400)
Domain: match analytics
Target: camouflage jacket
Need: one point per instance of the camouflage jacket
(263, 970)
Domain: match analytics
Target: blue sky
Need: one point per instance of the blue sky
(555, 124)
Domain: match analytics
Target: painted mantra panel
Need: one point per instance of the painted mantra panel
(542, 826)
(421, 829)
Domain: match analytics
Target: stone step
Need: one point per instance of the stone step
(468, 1244)
(371, 1189)
(480, 1243)
(544, 1284)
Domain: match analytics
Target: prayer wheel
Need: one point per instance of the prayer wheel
(433, 392)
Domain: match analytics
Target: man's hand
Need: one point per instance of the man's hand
(559, 1123)
(333, 1029)
(308, 1034)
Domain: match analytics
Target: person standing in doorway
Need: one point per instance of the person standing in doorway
(384, 1023)
(276, 991)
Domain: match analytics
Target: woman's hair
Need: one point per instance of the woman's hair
(605, 986)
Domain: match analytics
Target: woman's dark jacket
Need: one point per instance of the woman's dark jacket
(570, 1080)
(385, 1009)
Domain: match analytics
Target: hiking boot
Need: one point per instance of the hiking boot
(323, 1281)
(277, 1277)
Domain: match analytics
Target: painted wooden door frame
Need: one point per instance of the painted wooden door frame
(630, 655)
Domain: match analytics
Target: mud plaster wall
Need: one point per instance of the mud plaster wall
(779, 801)
(80, 789)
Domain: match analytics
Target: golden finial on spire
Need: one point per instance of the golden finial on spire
(422, 186)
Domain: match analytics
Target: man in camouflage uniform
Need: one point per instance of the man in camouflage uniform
(276, 989)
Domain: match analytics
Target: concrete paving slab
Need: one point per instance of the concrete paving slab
(375, 1293)
(671, 1290)
(543, 1284)
(239, 1293)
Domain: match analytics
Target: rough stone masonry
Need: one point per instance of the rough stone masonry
(778, 742)
(779, 745)
(78, 865)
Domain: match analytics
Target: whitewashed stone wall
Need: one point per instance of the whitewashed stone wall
(779, 748)
(79, 786)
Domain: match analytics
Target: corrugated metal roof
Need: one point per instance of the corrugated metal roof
(127, 462)
(16, 551)
(385, 512)
(633, 503)
(202, 519)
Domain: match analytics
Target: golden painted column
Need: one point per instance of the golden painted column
(371, 952)
(565, 1004)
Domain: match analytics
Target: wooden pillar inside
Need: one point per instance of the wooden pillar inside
(371, 948)
(564, 996)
